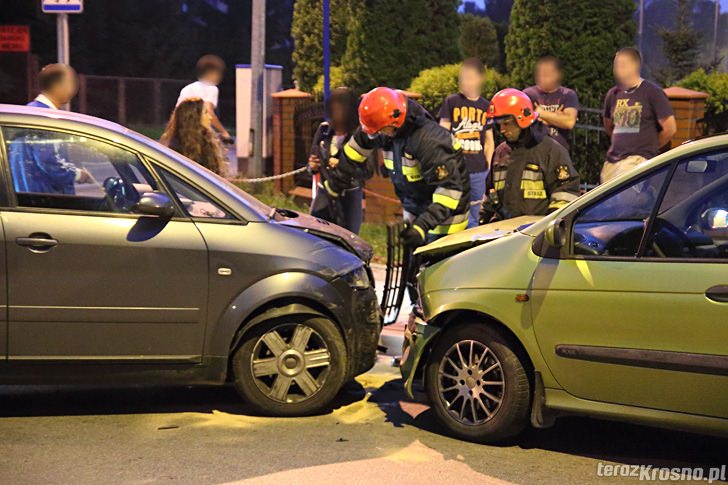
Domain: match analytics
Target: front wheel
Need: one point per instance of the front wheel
(477, 385)
(292, 366)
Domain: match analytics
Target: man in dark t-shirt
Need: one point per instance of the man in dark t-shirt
(557, 106)
(637, 116)
(464, 115)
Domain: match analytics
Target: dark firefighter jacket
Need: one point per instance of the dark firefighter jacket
(426, 166)
(532, 177)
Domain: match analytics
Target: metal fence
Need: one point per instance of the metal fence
(589, 143)
(128, 100)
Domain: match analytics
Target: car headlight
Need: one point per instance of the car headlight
(358, 279)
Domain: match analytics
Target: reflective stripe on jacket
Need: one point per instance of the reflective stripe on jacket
(425, 164)
(533, 178)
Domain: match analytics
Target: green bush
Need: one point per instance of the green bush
(716, 85)
(437, 83)
(336, 80)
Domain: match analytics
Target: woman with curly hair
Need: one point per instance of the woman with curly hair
(190, 134)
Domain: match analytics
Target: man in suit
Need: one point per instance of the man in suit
(58, 86)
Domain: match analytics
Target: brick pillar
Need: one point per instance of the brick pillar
(284, 133)
(689, 107)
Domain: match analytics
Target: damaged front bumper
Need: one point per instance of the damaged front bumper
(417, 338)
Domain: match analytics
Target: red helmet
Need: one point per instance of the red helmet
(382, 107)
(512, 102)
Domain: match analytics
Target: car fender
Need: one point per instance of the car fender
(497, 307)
(275, 312)
(288, 288)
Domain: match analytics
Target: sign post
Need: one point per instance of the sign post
(62, 8)
(62, 39)
(257, 64)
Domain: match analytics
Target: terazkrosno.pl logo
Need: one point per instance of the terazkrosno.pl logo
(651, 473)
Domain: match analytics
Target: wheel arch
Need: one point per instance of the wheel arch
(276, 293)
(278, 308)
(458, 317)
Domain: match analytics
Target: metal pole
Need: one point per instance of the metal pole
(715, 31)
(327, 50)
(641, 27)
(257, 63)
(64, 56)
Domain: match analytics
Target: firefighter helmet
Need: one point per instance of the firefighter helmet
(382, 107)
(512, 102)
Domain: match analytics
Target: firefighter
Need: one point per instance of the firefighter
(531, 174)
(421, 158)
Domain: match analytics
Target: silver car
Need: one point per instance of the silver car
(123, 261)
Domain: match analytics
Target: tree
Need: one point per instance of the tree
(586, 44)
(681, 45)
(390, 42)
(307, 32)
(479, 39)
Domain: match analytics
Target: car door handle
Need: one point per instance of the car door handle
(37, 242)
(718, 293)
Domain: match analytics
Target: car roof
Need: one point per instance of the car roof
(55, 114)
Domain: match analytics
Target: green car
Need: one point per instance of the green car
(614, 307)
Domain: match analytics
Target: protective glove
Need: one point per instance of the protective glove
(412, 236)
(490, 209)
(332, 193)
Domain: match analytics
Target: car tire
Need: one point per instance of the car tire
(290, 366)
(501, 385)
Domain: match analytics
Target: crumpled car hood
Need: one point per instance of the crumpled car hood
(476, 236)
(326, 230)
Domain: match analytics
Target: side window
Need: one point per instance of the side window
(614, 225)
(196, 203)
(56, 170)
(692, 221)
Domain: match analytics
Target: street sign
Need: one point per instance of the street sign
(62, 6)
(14, 38)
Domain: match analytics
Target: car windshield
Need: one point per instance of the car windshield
(256, 205)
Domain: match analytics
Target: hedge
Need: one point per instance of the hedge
(436, 83)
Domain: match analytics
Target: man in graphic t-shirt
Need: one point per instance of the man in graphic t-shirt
(637, 116)
(464, 115)
(557, 106)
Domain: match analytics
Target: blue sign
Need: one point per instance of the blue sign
(62, 6)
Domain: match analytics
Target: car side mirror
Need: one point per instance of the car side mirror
(155, 204)
(715, 219)
(555, 234)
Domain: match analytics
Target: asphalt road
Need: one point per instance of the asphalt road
(371, 435)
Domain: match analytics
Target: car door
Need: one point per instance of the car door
(88, 278)
(637, 314)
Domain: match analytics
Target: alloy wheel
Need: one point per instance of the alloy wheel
(471, 382)
(290, 363)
